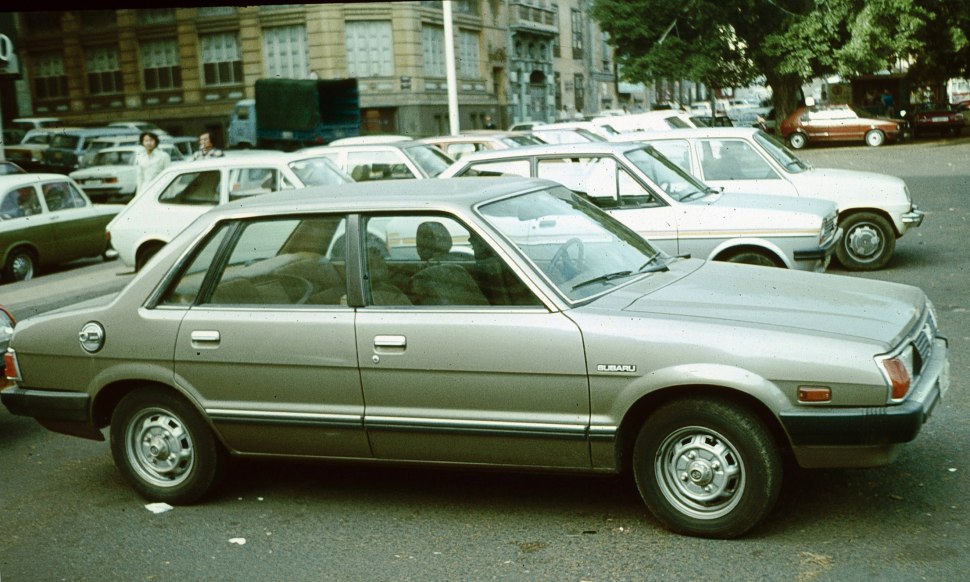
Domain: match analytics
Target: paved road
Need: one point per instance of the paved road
(65, 513)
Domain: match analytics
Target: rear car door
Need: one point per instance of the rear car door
(77, 229)
(265, 343)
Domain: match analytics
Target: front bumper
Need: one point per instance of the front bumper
(875, 426)
(821, 255)
(914, 217)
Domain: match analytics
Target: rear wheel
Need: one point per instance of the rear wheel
(868, 242)
(707, 467)
(875, 138)
(21, 265)
(164, 448)
(797, 140)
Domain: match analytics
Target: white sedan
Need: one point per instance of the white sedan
(874, 209)
(113, 176)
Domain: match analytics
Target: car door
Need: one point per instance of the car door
(78, 230)
(269, 357)
(22, 222)
(457, 370)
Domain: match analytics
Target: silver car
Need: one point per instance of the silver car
(490, 322)
(677, 212)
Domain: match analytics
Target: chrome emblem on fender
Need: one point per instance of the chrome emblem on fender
(616, 368)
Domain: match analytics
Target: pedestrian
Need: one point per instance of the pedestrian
(489, 124)
(206, 149)
(151, 160)
(887, 102)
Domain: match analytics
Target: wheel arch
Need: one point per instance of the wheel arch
(637, 414)
(728, 249)
(848, 212)
(23, 244)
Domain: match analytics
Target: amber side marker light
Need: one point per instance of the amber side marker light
(814, 394)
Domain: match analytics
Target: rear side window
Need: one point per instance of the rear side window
(193, 188)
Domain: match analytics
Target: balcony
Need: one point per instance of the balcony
(528, 16)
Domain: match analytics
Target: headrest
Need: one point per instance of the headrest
(433, 240)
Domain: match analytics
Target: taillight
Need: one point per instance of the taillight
(898, 371)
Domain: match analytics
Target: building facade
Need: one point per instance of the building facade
(185, 68)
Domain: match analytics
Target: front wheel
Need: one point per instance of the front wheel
(164, 448)
(797, 140)
(707, 468)
(868, 242)
(875, 138)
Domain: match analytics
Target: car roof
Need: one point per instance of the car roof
(405, 195)
(589, 147)
(86, 131)
(686, 133)
(14, 180)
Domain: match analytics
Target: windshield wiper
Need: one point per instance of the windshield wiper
(603, 279)
(646, 268)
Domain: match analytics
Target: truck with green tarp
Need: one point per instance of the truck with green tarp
(295, 113)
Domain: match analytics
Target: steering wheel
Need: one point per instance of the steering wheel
(565, 266)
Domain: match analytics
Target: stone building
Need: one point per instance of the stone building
(185, 68)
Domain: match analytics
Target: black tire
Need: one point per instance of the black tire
(145, 253)
(161, 444)
(868, 242)
(754, 257)
(875, 138)
(21, 265)
(706, 467)
(797, 140)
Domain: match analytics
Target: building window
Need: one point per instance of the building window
(578, 38)
(468, 55)
(285, 52)
(221, 63)
(579, 91)
(160, 65)
(155, 16)
(50, 82)
(605, 50)
(104, 70)
(556, 42)
(370, 49)
(98, 19)
(433, 45)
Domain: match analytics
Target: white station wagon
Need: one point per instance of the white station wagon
(185, 190)
(672, 209)
(874, 209)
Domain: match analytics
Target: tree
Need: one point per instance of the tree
(730, 42)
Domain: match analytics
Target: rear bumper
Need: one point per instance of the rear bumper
(63, 412)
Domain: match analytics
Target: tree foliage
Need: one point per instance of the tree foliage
(728, 43)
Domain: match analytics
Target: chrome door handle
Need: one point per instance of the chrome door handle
(206, 337)
(390, 341)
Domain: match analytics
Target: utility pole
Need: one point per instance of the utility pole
(450, 69)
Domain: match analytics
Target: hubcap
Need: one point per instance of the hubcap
(160, 448)
(23, 268)
(700, 472)
(864, 241)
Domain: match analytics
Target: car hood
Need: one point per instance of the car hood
(766, 297)
(842, 184)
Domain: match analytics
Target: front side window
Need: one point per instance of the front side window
(667, 176)
(573, 245)
(318, 171)
(244, 182)
(370, 49)
(732, 159)
(430, 159)
(285, 52)
(428, 260)
(221, 59)
(160, 65)
(62, 196)
(377, 165)
(777, 150)
(19, 203)
(103, 68)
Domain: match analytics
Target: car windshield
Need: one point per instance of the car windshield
(430, 159)
(319, 171)
(777, 150)
(673, 180)
(575, 246)
(65, 141)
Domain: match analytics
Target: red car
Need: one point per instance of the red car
(837, 123)
(941, 118)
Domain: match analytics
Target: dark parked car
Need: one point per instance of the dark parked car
(46, 219)
(941, 118)
(837, 123)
